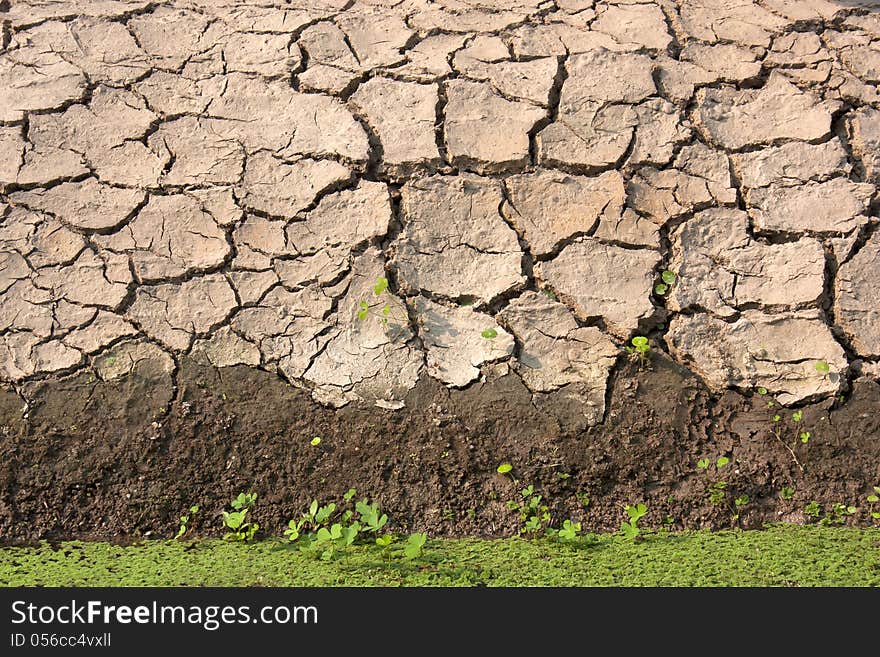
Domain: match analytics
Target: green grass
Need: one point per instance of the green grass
(785, 555)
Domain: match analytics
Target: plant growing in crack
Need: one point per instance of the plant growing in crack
(383, 306)
(639, 348)
(667, 280)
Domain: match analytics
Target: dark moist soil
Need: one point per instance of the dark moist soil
(121, 461)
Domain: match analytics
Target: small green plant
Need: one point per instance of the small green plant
(489, 333)
(383, 306)
(184, 520)
(314, 442)
(371, 519)
(640, 349)
(838, 514)
(504, 468)
(534, 515)
(873, 499)
(716, 487)
(323, 531)
(761, 390)
(822, 367)
(569, 531)
(667, 280)
(742, 500)
(630, 529)
(813, 509)
(790, 437)
(583, 497)
(716, 492)
(412, 549)
(786, 493)
(240, 528)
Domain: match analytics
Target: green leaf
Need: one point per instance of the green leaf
(741, 501)
(721, 462)
(873, 499)
(797, 416)
(314, 442)
(636, 512)
(384, 541)
(639, 341)
(703, 464)
(762, 391)
(877, 489)
(822, 367)
(380, 286)
(504, 468)
(234, 519)
(181, 531)
(851, 509)
(489, 333)
(386, 310)
(349, 494)
(325, 512)
(805, 437)
(776, 418)
(194, 509)
(660, 289)
(629, 531)
(414, 545)
(348, 534)
(668, 277)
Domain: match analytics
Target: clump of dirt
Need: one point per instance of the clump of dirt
(121, 461)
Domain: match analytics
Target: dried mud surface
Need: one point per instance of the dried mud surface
(197, 199)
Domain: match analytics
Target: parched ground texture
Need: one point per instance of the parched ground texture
(198, 198)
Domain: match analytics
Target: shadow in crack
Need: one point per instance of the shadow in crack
(870, 5)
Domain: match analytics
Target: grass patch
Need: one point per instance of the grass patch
(782, 555)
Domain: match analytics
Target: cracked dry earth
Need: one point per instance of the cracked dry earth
(196, 197)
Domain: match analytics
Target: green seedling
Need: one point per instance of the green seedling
(873, 499)
(667, 279)
(314, 442)
(383, 306)
(504, 468)
(838, 514)
(371, 519)
(240, 529)
(583, 497)
(534, 515)
(761, 390)
(742, 500)
(640, 348)
(349, 495)
(630, 529)
(414, 545)
(813, 509)
(791, 436)
(569, 531)
(184, 520)
(716, 492)
(489, 333)
(716, 488)
(822, 367)
(786, 493)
